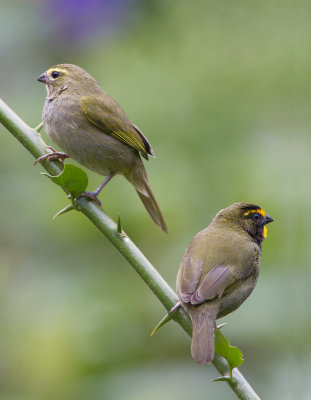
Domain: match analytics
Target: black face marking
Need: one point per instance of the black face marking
(254, 215)
(258, 219)
(255, 225)
(55, 74)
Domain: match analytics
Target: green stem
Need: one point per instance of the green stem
(33, 142)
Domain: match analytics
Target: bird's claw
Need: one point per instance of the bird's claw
(175, 307)
(92, 196)
(55, 155)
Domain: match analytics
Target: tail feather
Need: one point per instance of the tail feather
(203, 324)
(153, 208)
(139, 180)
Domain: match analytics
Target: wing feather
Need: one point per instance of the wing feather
(109, 117)
(195, 290)
(189, 276)
(213, 284)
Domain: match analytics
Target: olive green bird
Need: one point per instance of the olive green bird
(219, 270)
(91, 127)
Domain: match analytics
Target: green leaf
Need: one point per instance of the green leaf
(72, 178)
(232, 354)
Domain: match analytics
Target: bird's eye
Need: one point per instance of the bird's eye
(256, 216)
(55, 74)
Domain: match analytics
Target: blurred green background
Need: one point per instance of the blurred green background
(222, 90)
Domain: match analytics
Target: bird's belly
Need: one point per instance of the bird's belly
(90, 147)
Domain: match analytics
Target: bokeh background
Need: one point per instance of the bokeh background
(222, 90)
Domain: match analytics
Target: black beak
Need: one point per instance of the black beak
(268, 219)
(42, 78)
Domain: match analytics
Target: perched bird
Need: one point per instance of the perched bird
(219, 270)
(92, 128)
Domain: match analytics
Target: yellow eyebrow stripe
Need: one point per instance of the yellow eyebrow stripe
(62, 71)
(258, 210)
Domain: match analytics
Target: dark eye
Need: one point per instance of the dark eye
(256, 216)
(55, 74)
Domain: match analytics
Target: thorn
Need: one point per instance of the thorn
(221, 325)
(222, 379)
(119, 226)
(39, 127)
(64, 210)
(163, 321)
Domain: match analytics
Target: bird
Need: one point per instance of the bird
(92, 128)
(219, 270)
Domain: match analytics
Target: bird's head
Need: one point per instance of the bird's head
(250, 217)
(62, 76)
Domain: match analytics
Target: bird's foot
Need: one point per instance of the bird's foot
(176, 306)
(92, 196)
(55, 155)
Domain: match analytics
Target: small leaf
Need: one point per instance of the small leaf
(163, 321)
(232, 354)
(72, 178)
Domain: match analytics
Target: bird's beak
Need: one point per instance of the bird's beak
(42, 78)
(268, 219)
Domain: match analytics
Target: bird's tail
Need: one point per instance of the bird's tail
(203, 325)
(140, 181)
(153, 208)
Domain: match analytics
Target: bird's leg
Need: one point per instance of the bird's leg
(93, 195)
(55, 155)
(175, 307)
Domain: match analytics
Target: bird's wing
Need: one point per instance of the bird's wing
(109, 117)
(189, 276)
(213, 284)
